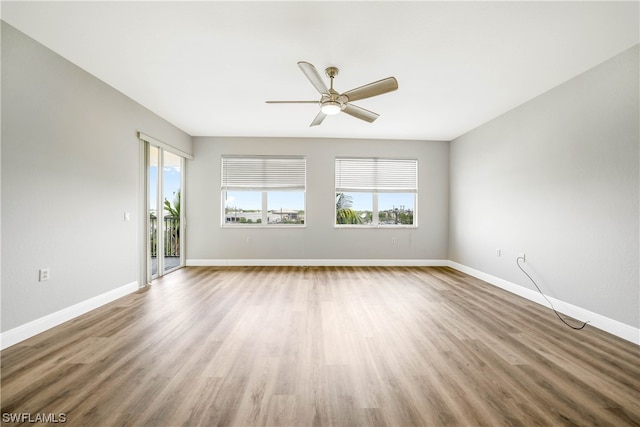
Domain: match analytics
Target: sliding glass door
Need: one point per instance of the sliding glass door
(165, 172)
(171, 193)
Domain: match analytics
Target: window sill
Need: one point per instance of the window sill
(270, 226)
(388, 227)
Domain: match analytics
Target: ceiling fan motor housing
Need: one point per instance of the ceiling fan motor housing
(332, 103)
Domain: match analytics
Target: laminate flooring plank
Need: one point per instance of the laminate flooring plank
(593, 386)
(323, 346)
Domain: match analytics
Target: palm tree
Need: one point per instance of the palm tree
(344, 213)
(172, 224)
(174, 210)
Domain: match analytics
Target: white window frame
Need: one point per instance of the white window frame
(264, 174)
(375, 175)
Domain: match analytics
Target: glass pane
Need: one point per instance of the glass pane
(396, 208)
(285, 207)
(354, 208)
(171, 188)
(153, 211)
(243, 207)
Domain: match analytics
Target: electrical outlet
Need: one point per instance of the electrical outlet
(43, 274)
(522, 255)
(498, 252)
(394, 241)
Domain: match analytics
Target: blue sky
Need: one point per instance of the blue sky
(364, 201)
(171, 184)
(252, 200)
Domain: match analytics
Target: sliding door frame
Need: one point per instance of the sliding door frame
(146, 276)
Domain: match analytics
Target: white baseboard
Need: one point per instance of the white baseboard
(596, 320)
(318, 262)
(28, 330)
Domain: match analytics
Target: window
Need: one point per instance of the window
(263, 190)
(376, 192)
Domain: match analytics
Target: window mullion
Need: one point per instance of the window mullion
(265, 213)
(376, 219)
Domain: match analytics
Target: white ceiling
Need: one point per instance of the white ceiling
(208, 67)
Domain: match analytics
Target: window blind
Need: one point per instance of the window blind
(376, 175)
(264, 173)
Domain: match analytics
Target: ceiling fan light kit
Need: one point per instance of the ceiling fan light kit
(331, 108)
(331, 102)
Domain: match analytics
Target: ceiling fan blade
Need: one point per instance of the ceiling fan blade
(292, 102)
(372, 89)
(314, 77)
(319, 118)
(360, 113)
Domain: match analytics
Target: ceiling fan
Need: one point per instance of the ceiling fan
(331, 102)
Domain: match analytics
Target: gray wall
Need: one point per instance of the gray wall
(557, 179)
(206, 240)
(70, 169)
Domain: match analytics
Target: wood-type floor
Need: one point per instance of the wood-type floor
(323, 346)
